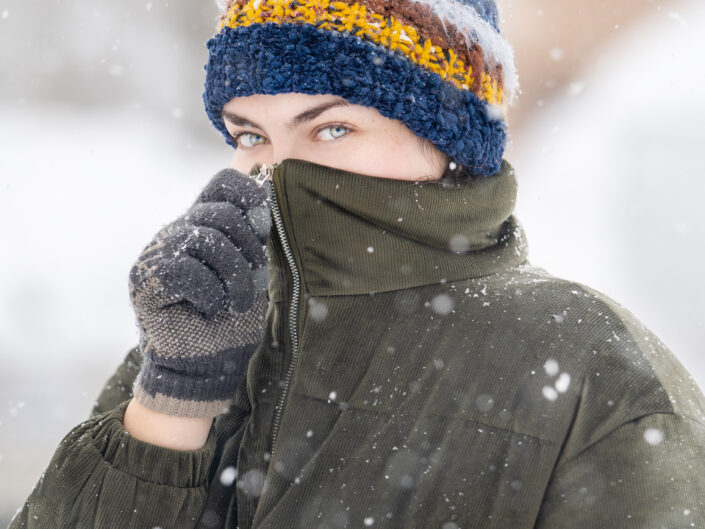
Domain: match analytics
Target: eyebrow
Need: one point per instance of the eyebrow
(307, 115)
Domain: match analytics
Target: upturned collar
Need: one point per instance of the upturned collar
(356, 234)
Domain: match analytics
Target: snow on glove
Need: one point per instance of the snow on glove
(199, 294)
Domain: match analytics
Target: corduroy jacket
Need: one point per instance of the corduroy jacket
(417, 372)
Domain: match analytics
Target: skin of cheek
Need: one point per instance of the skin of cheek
(393, 151)
(388, 156)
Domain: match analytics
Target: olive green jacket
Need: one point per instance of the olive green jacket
(417, 372)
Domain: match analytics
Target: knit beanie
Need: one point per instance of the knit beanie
(441, 67)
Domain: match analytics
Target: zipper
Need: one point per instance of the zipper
(266, 173)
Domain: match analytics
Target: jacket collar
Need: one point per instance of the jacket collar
(356, 234)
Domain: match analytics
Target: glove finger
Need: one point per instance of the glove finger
(149, 259)
(186, 278)
(260, 278)
(260, 218)
(229, 185)
(216, 250)
(229, 220)
(155, 247)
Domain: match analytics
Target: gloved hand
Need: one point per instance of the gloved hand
(199, 294)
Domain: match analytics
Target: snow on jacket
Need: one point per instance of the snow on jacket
(417, 372)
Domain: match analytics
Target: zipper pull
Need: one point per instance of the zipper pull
(265, 173)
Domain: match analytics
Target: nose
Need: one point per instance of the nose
(280, 156)
(281, 149)
(286, 147)
(274, 157)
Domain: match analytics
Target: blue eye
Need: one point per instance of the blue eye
(255, 140)
(333, 132)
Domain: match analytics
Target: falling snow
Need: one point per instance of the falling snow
(551, 367)
(654, 436)
(442, 304)
(484, 402)
(459, 243)
(228, 476)
(563, 382)
(550, 393)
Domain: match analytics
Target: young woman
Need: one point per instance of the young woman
(391, 359)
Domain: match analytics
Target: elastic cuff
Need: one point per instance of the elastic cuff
(147, 461)
(192, 387)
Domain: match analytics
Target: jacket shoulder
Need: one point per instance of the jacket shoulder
(624, 371)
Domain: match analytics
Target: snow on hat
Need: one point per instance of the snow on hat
(441, 67)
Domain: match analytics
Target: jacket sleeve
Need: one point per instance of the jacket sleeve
(118, 388)
(649, 472)
(101, 476)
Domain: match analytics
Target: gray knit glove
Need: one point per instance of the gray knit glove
(199, 294)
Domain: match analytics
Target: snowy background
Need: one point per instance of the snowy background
(103, 139)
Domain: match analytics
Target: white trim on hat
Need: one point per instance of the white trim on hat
(476, 29)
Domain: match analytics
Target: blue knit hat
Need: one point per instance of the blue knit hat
(441, 67)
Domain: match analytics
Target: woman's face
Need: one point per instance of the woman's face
(327, 130)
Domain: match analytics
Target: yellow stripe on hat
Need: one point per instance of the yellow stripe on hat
(358, 20)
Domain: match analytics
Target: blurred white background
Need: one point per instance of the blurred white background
(103, 139)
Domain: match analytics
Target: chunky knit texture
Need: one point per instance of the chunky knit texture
(442, 69)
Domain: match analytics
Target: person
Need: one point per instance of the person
(344, 330)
